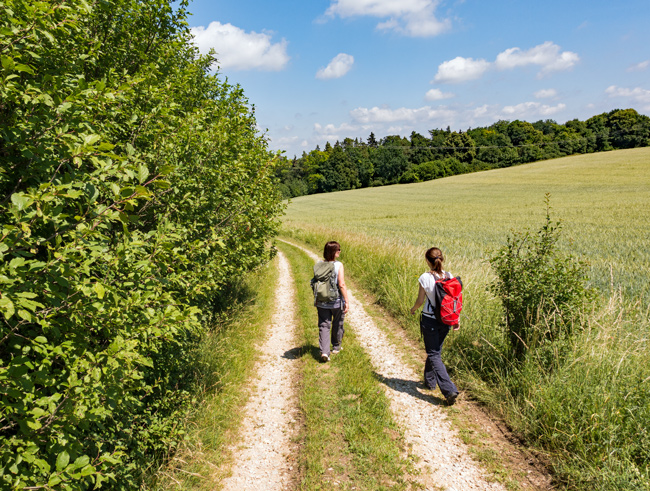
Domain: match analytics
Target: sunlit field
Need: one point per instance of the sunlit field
(583, 400)
(602, 199)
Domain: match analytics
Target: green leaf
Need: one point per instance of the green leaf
(24, 68)
(21, 201)
(160, 184)
(16, 262)
(48, 36)
(7, 62)
(82, 461)
(143, 173)
(99, 289)
(26, 295)
(166, 169)
(54, 480)
(7, 307)
(91, 139)
(62, 461)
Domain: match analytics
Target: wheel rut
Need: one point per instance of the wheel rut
(264, 458)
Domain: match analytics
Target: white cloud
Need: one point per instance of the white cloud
(531, 109)
(385, 115)
(437, 95)
(460, 70)
(545, 94)
(639, 67)
(481, 111)
(339, 66)
(635, 96)
(409, 17)
(285, 140)
(332, 133)
(240, 50)
(546, 55)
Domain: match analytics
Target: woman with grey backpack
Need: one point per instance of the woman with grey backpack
(330, 299)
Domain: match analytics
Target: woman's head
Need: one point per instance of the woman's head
(331, 248)
(435, 259)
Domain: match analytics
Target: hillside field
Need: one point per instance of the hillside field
(603, 200)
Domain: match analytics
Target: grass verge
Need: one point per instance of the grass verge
(226, 356)
(349, 439)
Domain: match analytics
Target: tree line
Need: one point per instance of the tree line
(134, 189)
(352, 164)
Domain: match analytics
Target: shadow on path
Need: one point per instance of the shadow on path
(300, 351)
(411, 388)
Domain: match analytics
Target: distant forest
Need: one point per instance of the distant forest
(353, 164)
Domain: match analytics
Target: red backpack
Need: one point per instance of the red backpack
(448, 294)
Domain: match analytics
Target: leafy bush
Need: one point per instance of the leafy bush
(133, 187)
(539, 286)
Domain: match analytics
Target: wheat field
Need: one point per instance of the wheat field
(603, 201)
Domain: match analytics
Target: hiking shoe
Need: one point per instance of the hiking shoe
(324, 358)
(336, 350)
(451, 398)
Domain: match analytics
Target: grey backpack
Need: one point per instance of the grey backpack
(324, 283)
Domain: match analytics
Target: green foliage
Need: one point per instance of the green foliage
(132, 188)
(503, 144)
(539, 286)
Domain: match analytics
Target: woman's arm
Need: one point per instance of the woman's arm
(344, 290)
(419, 301)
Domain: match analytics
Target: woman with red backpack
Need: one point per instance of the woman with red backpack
(435, 325)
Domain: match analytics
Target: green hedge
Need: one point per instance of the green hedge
(133, 187)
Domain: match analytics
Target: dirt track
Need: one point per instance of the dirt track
(263, 460)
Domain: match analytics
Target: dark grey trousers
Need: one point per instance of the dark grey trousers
(435, 372)
(330, 329)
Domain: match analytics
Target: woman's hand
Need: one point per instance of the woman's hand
(455, 327)
(420, 300)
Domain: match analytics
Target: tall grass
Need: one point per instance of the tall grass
(584, 400)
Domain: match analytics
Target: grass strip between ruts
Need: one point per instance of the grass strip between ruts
(349, 438)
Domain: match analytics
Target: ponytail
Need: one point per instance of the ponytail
(435, 258)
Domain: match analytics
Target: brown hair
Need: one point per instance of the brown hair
(329, 253)
(435, 258)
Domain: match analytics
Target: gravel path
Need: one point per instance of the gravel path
(445, 462)
(263, 460)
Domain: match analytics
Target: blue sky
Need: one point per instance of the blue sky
(324, 70)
